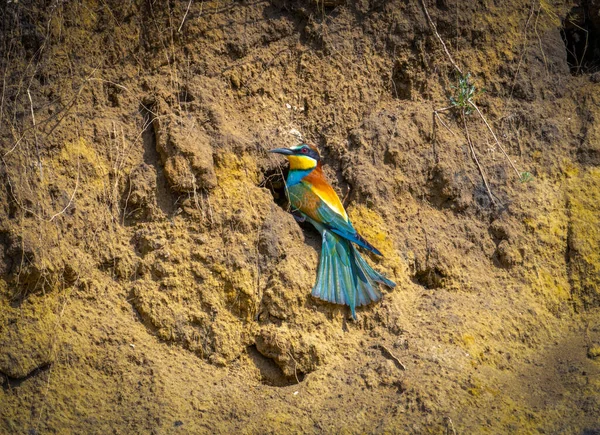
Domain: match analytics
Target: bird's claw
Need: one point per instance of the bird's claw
(299, 218)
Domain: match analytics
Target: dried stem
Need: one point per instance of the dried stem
(70, 199)
(389, 354)
(37, 148)
(439, 118)
(495, 138)
(440, 38)
(184, 16)
(540, 40)
(514, 80)
(487, 187)
(449, 426)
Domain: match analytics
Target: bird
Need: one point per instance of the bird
(343, 276)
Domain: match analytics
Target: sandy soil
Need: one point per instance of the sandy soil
(153, 281)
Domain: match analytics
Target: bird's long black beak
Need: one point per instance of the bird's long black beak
(284, 151)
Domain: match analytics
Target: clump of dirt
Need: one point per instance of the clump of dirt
(152, 278)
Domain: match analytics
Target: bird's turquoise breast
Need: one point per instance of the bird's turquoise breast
(301, 197)
(295, 176)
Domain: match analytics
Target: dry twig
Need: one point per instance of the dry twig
(70, 199)
(433, 26)
(514, 80)
(487, 187)
(449, 426)
(37, 148)
(495, 138)
(184, 16)
(388, 353)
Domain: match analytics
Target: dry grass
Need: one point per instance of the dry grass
(463, 102)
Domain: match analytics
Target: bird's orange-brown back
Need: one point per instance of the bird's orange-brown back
(321, 187)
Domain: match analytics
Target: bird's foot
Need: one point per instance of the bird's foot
(299, 218)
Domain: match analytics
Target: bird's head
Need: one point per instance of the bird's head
(301, 157)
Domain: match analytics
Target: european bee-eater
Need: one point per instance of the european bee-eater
(344, 277)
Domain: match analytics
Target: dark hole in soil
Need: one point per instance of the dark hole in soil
(430, 278)
(581, 35)
(275, 181)
(185, 96)
(401, 81)
(9, 383)
(270, 372)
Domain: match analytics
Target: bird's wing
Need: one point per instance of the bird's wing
(324, 210)
(326, 193)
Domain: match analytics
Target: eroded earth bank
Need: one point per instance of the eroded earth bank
(153, 281)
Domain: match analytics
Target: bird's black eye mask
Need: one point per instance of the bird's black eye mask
(305, 150)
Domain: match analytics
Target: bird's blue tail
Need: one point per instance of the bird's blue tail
(345, 277)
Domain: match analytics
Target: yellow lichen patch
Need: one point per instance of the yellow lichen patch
(474, 349)
(230, 166)
(550, 227)
(583, 251)
(81, 149)
(468, 340)
(372, 227)
(241, 293)
(569, 168)
(553, 287)
(79, 159)
(518, 415)
(552, 12)
(593, 352)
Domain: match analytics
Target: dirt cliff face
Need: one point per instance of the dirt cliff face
(152, 279)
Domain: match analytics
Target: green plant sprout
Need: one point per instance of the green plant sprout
(525, 177)
(465, 92)
(463, 100)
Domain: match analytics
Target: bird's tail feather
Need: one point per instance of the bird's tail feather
(373, 274)
(344, 277)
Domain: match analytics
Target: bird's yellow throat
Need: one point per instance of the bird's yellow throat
(302, 162)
